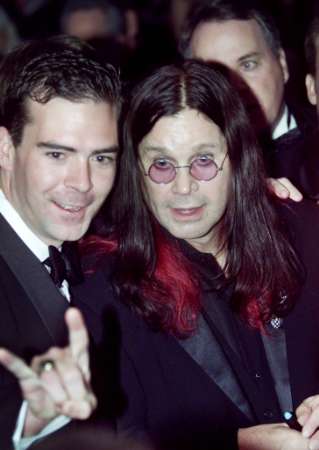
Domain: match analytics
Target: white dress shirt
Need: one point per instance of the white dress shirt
(38, 247)
(286, 123)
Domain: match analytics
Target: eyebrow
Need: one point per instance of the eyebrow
(249, 55)
(57, 146)
(155, 149)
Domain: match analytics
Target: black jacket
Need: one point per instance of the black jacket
(193, 396)
(31, 317)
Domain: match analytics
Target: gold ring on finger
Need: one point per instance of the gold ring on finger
(46, 365)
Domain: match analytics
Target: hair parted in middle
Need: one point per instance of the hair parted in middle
(154, 276)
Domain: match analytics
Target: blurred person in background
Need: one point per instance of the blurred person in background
(178, 11)
(245, 38)
(111, 28)
(307, 177)
(9, 37)
(88, 19)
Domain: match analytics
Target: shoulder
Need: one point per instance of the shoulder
(98, 300)
(97, 289)
(300, 216)
(301, 222)
(304, 113)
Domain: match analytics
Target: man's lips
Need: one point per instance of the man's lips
(70, 207)
(192, 212)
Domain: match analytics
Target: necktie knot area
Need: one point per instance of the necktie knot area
(64, 265)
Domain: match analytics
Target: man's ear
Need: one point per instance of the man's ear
(283, 64)
(311, 89)
(7, 150)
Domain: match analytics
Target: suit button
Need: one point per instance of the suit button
(257, 376)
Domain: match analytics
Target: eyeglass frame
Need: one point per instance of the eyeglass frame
(219, 169)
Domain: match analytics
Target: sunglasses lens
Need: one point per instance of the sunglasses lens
(162, 172)
(203, 169)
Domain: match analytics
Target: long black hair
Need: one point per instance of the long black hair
(260, 260)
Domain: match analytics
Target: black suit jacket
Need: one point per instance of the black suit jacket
(294, 154)
(161, 386)
(31, 317)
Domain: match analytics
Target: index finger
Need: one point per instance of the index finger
(78, 337)
(15, 365)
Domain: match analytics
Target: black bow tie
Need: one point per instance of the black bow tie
(64, 265)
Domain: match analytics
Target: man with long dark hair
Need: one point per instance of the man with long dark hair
(215, 282)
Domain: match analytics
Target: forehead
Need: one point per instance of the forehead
(228, 41)
(182, 134)
(68, 121)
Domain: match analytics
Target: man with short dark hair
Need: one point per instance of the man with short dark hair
(58, 142)
(246, 40)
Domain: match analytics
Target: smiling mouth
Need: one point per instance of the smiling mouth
(70, 208)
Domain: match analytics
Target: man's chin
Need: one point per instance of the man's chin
(71, 235)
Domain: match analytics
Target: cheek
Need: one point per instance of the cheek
(41, 177)
(155, 196)
(28, 182)
(103, 183)
(219, 193)
(273, 83)
(260, 87)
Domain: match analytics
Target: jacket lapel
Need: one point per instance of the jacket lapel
(35, 280)
(226, 332)
(206, 350)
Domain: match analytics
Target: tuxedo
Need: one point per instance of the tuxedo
(31, 317)
(195, 393)
(287, 155)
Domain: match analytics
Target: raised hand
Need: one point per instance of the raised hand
(57, 382)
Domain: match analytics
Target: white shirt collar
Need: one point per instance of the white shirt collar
(38, 247)
(286, 123)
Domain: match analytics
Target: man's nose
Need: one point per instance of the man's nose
(183, 182)
(79, 176)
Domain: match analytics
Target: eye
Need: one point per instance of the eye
(249, 65)
(204, 160)
(55, 155)
(105, 159)
(162, 164)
